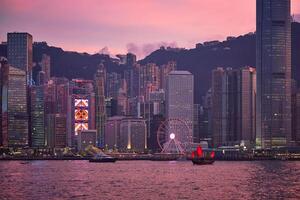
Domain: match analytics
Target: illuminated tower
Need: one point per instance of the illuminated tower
(273, 63)
(99, 84)
(37, 116)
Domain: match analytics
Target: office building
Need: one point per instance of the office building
(81, 115)
(273, 65)
(233, 106)
(180, 97)
(37, 116)
(133, 135)
(112, 132)
(46, 66)
(56, 131)
(19, 52)
(15, 107)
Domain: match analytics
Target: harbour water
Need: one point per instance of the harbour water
(149, 180)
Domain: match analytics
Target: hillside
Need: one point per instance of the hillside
(235, 53)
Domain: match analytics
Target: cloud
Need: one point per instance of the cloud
(88, 25)
(105, 51)
(145, 49)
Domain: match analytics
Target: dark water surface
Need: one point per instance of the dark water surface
(149, 180)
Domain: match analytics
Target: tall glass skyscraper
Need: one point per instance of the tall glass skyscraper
(19, 52)
(180, 97)
(273, 62)
(37, 116)
(14, 108)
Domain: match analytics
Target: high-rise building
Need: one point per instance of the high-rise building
(81, 115)
(247, 106)
(130, 59)
(205, 126)
(132, 77)
(56, 131)
(149, 79)
(56, 101)
(196, 122)
(41, 78)
(111, 107)
(123, 99)
(3, 98)
(216, 102)
(180, 97)
(155, 122)
(113, 84)
(296, 118)
(14, 107)
(112, 132)
(233, 106)
(165, 70)
(273, 64)
(46, 66)
(37, 116)
(99, 84)
(19, 52)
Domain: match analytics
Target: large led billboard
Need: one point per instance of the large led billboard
(81, 115)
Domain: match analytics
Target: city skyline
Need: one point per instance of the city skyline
(162, 23)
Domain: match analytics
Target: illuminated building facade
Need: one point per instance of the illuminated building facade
(82, 108)
(37, 116)
(273, 65)
(15, 108)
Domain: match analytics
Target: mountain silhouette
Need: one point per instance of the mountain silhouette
(234, 52)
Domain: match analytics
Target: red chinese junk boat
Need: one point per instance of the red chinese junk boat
(200, 157)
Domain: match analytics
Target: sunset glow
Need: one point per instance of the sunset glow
(119, 26)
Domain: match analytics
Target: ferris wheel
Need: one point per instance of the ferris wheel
(173, 135)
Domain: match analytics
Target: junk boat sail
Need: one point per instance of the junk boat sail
(200, 157)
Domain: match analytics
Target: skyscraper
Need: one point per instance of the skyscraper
(14, 107)
(81, 115)
(46, 66)
(273, 63)
(37, 116)
(19, 52)
(180, 97)
(99, 84)
(3, 98)
(233, 106)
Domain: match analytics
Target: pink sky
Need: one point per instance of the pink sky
(121, 25)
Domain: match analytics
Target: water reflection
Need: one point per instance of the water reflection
(149, 180)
